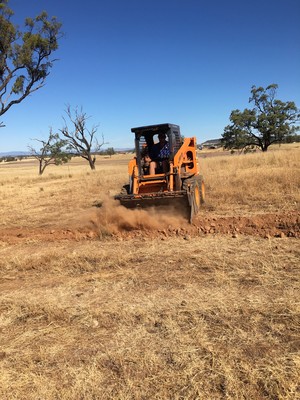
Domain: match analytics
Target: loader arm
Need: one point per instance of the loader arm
(185, 161)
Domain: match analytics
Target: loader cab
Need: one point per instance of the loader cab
(147, 136)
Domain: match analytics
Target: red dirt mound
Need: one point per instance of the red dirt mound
(95, 227)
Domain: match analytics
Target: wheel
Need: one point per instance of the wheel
(195, 200)
(196, 194)
(125, 190)
(201, 185)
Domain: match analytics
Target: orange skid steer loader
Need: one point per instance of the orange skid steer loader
(164, 173)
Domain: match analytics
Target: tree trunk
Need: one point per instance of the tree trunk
(92, 162)
(41, 169)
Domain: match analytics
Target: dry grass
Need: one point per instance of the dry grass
(64, 190)
(210, 319)
(258, 182)
(150, 317)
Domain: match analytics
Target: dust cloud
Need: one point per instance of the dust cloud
(114, 218)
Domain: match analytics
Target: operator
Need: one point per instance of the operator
(159, 153)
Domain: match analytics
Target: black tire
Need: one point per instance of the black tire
(125, 190)
(201, 185)
(195, 189)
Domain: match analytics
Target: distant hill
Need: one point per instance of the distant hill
(27, 153)
(14, 153)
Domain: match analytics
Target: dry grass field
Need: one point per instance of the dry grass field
(109, 303)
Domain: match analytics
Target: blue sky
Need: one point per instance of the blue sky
(141, 62)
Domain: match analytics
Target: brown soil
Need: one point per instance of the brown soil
(263, 225)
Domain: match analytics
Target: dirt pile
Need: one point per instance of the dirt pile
(121, 224)
(265, 225)
(115, 220)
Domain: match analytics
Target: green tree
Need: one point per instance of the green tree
(80, 138)
(52, 152)
(24, 56)
(110, 151)
(269, 121)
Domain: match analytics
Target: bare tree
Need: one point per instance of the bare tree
(81, 139)
(51, 152)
